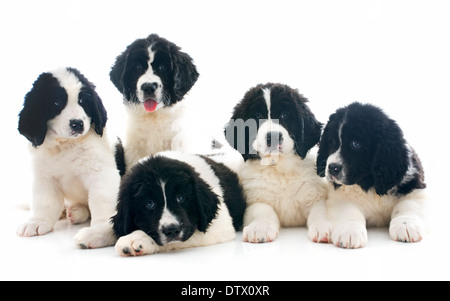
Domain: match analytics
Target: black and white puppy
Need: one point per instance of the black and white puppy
(153, 75)
(377, 177)
(64, 119)
(273, 128)
(174, 200)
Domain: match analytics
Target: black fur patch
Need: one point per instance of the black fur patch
(233, 193)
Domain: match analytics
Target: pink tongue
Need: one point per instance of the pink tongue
(150, 105)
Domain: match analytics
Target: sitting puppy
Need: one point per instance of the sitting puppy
(64, 119)
(153, 76)
(377, 177)
(273, 129)
(173, 200)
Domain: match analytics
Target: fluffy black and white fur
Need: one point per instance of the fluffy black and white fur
(174, 200)
(376, 175)
(153, 75)
(274, 129)
(64, 119)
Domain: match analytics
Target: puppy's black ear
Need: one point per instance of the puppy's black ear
(390, 160)
(208, 203)
(44, 101)
(185, 74)
(123, 221)
(324, 151)
(116, 73)
(241, 133)
(311, 129)
(99, 115)
(328, 142)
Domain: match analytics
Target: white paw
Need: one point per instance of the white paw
(350, 235)
(97, 236)
(136, 244)
(406, 229)
(78, 214)
(260, 231)
(320, 232)
(34, 227)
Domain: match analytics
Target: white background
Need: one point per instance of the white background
(395, 54)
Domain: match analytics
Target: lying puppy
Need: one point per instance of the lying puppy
(378, 178)
(153, 76)
(273, 128)
(64, 119)
(173, 200)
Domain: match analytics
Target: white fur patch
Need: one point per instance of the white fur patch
(150, 77)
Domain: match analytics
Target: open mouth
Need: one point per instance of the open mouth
(150, 104)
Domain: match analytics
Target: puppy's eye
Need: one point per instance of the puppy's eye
(162, 68)
(258, 115)
(356, 145)
(139, 68)
(180, 198)
(150, 205)
(285, 115)
(80, 101)
(58, 102)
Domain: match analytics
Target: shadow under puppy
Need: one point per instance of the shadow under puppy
(377, 178)
(174, 200)
(274, 129)
(73, 161)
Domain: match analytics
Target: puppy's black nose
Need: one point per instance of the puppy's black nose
(171, 231)
(334, 169)
(274, 139)
(76, 125)
(149, 88)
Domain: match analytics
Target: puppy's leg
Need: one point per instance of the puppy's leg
(46, 207)
(406, 221)
(78, 213)
(136, 244)
(348, 225)
(319, 227)
(261, 224)
(102, 204)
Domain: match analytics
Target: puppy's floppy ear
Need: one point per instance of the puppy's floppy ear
(44, 101)
(390, 160)
(311, 129)
(329, 141)
(238, 134)
(117, 71)
(324, 150)
(184, 74)
(241, 130)
(123, 221)
(208, 203)
(99, 115)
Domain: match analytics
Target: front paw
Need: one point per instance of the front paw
(136, 244)
(260, 231)
(34, 227)
(350, 235)
(406, 229)
(94, 237)
(320, 232)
